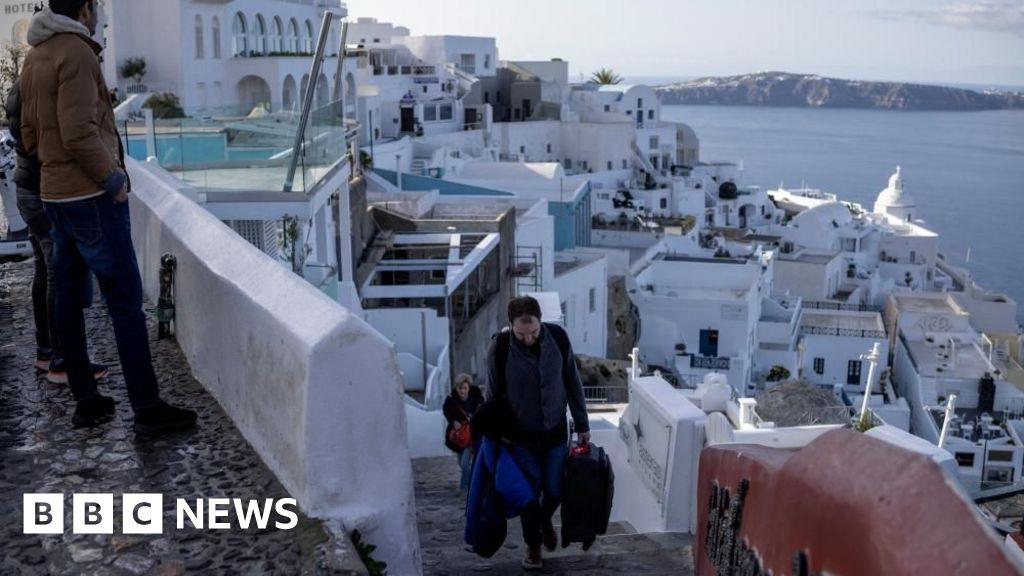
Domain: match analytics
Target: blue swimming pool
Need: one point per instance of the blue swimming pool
(177, 149)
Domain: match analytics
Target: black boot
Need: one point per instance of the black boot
(93, 412)
(162, 418)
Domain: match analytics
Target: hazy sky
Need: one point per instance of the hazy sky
(971, 41)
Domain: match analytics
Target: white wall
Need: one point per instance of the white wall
(535, 234)
(311, 387)
(426, 432)
(838, 351)
(448, 49)
(664, 456)
(587, 328)
(807, 280)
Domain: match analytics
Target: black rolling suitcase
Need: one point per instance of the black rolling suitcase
(586, 495)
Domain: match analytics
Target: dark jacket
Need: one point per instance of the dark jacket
(454, 411)
(539, 388)
(66, 118)
(26, 174)
(494, 469)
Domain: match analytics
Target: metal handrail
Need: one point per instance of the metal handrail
(307, 104)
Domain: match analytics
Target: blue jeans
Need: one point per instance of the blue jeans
(546, 472)
(466, 464)
(95, 234)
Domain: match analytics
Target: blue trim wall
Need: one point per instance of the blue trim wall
(572, 219)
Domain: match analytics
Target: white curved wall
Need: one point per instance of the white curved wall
(314, 389)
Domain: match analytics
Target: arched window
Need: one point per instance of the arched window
(199, 37)
(309, 37)
(261, 35)
(293, 36)
(239, 33)
(216, 37)
(277, 35)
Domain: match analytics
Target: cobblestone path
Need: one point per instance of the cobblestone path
(40, 452)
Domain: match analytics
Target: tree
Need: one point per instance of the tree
(11, 57)
(164, 105)
(134, 68)
(605, 76)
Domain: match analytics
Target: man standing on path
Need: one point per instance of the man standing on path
(534, 372)
(68, 124)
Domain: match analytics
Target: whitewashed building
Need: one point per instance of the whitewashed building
(938, 355)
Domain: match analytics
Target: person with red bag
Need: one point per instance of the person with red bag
(459, 409)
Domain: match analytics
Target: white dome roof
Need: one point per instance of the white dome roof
(815, 228)
(894, 196)
(822, 216)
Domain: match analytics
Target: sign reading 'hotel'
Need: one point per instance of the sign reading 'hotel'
(20, 7)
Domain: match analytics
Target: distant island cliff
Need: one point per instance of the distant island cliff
(813, 91)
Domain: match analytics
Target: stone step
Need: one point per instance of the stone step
(441, 518)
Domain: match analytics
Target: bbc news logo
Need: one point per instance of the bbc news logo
(144, 513)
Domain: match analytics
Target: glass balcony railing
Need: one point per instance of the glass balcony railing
(242, 149)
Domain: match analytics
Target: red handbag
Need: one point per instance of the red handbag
(461, 437)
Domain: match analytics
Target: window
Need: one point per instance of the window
(277, 35)
(487, 61)
(487, 97)
(609, 165)
(567, 164)
(625, 164)
(965, 459)
(593, 299)
(709, 343)
(650, 114)
(446, 112)
(239, 33)
(293, 36)
(607, 108)
(639, 102)
(309, 36)
(853, 372)
(1000, 456)
(261, 35)
(199, 37)
(653, 143)
(424, 88)
(664, 203)
(468, 63)
(430, 113)
(216, 37)
(549, 147)
(584, 165)
(522, 149)
(819, 366)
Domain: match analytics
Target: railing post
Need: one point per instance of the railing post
(634, 371)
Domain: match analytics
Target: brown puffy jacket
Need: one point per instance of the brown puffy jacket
(67, 121)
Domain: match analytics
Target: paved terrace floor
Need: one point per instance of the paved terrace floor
(40, 452)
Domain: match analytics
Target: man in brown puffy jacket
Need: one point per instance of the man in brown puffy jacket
(68, 124)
